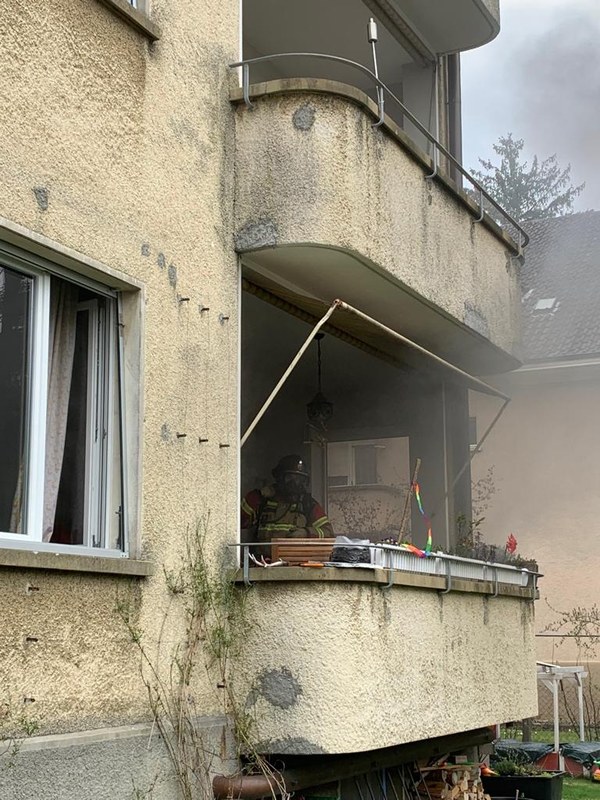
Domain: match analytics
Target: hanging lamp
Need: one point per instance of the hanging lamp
(319, 410)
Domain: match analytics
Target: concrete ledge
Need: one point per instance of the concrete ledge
(135, 18)
(88, 737)
(358, 97)
(381, 577)
(30, 559)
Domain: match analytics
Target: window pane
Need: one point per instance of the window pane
(15, 300)
(70, 504)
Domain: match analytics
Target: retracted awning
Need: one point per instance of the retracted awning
(354, 326)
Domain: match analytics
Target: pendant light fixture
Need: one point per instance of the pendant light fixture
(319, 410)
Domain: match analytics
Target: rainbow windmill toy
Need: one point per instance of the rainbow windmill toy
(415, 490)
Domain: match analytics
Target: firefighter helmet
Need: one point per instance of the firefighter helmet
(290, 465)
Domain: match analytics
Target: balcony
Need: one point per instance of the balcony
(330, 206)
(351, 660)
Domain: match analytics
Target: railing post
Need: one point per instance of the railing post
(381, 107)
(246, 562)
(246, 85)
(435, 163)
(480, 217)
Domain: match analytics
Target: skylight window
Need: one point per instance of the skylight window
(546, 304)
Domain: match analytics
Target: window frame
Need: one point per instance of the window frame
(36, 407)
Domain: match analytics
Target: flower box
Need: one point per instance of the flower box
(536, 787)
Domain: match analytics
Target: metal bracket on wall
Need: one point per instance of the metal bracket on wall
(435, 165)
(246, 563)
(480, 217)
(448, 578)
(246, 85)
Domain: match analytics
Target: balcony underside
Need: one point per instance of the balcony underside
(336, 666)
(445, 26)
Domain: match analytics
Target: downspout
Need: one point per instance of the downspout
(454, 112)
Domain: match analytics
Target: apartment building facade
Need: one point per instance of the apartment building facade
(175, 221)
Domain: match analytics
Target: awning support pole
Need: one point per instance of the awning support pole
(289, 370)
(485, 387)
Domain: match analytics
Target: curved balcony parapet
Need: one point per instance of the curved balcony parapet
(312, 172)
(477, 196)
(339, 661)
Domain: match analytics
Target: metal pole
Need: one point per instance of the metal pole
(580, 701)
(485, 387)
(556, 717)
(372, 37)
(288, 372)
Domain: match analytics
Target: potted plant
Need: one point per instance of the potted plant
(529, 780)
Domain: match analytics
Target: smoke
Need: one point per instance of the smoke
(540, 79)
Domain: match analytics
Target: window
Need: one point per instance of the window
(61, 438)
(353, 463)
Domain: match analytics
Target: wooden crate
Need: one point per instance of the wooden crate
(298, 551)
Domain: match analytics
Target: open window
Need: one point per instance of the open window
(61, 476)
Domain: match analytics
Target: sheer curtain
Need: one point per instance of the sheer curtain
(63, 316)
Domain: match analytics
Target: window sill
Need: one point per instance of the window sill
(135, 18)
(27, 559)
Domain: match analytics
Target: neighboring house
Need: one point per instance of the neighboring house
(545, 449)
(168, 240)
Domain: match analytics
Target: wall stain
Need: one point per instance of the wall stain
(255, 235)
(279, 687)
(303, 118)
(296, 745)
(41, 196)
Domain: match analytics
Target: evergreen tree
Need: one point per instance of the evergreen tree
(538, 191)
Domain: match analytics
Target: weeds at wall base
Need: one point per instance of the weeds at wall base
(216, 625)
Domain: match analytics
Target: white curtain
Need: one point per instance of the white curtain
(63, 317)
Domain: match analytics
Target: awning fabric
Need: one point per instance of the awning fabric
(360, 330)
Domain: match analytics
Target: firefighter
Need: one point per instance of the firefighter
(285, 508)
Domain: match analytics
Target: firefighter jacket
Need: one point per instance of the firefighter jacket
(271, 516)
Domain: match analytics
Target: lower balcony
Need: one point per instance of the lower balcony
(344, 660)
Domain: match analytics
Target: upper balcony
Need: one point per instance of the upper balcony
(349, 184)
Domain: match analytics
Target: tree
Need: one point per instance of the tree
(539, 191)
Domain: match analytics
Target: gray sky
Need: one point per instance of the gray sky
(540, 80)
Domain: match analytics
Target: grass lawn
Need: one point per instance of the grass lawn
(542, 734)
(580, 789)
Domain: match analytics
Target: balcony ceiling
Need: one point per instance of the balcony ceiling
(281, 26)
(445, 26)
(305, 274)
(409, 30)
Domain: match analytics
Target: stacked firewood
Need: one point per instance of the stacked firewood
(452, 782)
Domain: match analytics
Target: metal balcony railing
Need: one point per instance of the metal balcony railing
(394, 559)
(486, 203)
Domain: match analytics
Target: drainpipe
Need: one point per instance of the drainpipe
(454, 113)
(248, 787)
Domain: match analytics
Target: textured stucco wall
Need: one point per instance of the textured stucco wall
(123, 151)
(121, 763)
(311, 169)
(345, 668)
